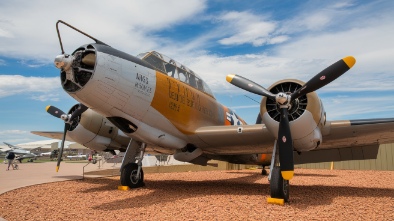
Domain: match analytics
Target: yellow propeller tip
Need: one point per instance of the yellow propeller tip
(57, 169)
(287, 175)
(350, 61)
(46, 109)
(230, 77)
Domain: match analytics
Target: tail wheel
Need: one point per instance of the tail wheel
(128, 176)
(279, 186)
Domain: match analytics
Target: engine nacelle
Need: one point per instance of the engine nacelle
(306, 115)
(96, 132)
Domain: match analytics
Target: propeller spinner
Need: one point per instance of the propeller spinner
(285, 141)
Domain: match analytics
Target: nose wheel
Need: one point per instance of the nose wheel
(131, 173)
(279, 186)
(130, 177)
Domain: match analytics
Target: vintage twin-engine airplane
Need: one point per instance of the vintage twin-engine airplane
(153, 103)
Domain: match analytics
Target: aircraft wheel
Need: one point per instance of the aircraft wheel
(128, 176)
(279, 186)
(264, 172)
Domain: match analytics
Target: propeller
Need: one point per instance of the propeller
(285, 141)
(68, 120)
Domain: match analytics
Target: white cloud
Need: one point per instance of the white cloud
(7, 132)
(350, 107)
(46, 97)
(247, 28)
(17, 84)
(17, 136)
(29, 31)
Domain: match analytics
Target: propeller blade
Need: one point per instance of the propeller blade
(59, 157)
(82, 108)
(285, 144)
(249, 85)
(325, 77)
(54, 111)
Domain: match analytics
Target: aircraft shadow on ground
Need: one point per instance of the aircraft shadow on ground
(167, 191)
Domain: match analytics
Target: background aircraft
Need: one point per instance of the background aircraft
(165, 107)
(20, 152)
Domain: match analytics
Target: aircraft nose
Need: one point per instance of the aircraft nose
(63, 61)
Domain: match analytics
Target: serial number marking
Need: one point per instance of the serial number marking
(142, 85)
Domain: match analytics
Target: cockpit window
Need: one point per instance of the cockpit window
(170, 68)
(156, 62)
(175, 70)
(182, 74)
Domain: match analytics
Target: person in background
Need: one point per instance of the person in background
(10, 157)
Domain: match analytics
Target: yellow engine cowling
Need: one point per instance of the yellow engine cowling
(306, 115)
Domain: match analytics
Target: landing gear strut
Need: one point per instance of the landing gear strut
(279, 187)
(264, 171)
(131, 173)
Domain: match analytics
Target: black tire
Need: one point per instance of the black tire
(279, 186)
(264, 172)
(128, 176)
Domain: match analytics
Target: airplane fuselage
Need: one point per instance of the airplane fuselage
(144, 101)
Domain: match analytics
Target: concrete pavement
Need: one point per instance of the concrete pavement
(37, 173)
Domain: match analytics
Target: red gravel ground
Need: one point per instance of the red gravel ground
(213, 195)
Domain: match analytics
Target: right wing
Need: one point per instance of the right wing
(342, 140)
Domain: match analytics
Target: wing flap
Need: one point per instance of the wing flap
(338, 154)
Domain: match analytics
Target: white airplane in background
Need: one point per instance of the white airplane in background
(20, 152)
(151, 103)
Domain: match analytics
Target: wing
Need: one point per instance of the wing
(350, 140)
(12, 146)
(342, 140)
(52, 134)
(242, 139)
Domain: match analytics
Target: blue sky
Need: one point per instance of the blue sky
(263, 40)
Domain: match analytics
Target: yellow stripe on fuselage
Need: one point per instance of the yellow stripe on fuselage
(184, 106)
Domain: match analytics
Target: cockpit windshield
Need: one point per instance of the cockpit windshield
(176, 70)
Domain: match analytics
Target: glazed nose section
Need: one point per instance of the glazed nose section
(76, 69)
(63, 61)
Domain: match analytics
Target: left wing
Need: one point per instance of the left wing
(52, 134)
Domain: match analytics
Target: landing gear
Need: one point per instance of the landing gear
(131, 173)
(130, 178)
(279, 186)
(264, 171)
